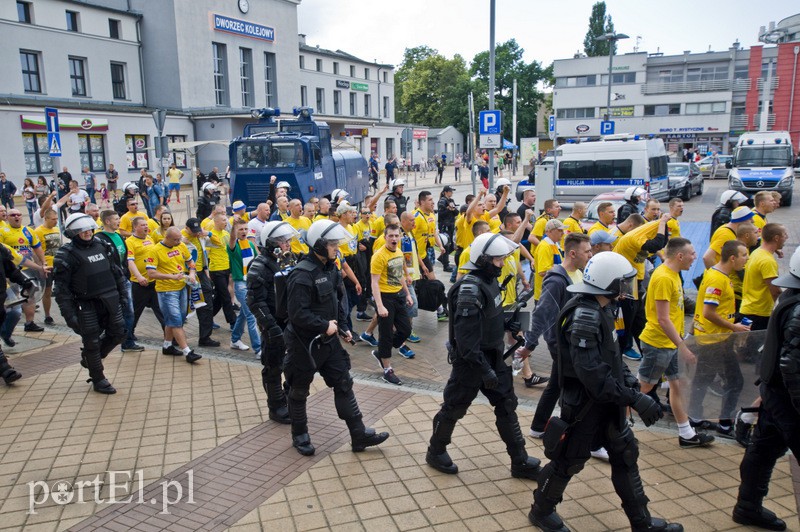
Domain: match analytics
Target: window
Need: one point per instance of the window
(576, 81)
(627, 110)
(24, 12)
(270, 82)
(77, 75)
(761, 106)
(302, 61)
(581, 112)
(220, 73)
(366, 73)
(385, 77)
(386, 107)
(118, 80)
(31, 79)
(177, 156)
(662, 110)
(320, 101)
(37, 153)
(741, 71)
(352, 71)
(737, 109)
(707, 73)
(619, 79)
(136, 151)
(72, 21)
(658, 166)
(246, 75)
(705, 108)
(337, 96)
(353, 103)
(765, 65)
(92, 152)
(666, 76)
(336, 67)
(367, 105)
(113, 28)
(319, 65)
(303, 95)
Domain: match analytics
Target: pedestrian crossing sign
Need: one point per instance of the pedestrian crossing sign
(54, 141)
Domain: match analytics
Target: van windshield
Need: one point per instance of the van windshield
(764, 156)
(276, 154)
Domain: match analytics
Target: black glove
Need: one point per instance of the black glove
(275, 334)
(647, 408)
(490, 380)
(513, 326)
(27, 284)
(73, 323)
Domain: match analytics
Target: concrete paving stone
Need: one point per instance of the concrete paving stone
(411, 520)
(468, 508)
(372, 510)
(399, 503)
(482, 523)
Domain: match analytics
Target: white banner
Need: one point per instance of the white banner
(529, 148)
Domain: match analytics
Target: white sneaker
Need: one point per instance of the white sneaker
(258, 355)
(239, 345)
(536, 434)
(600, 454)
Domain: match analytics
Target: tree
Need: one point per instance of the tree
(509, 65)
(411, 56)
(599, 24)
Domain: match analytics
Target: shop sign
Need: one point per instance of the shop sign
(622, 111)
(582, 128)
(243, 28)
(66, 123)
(678, 130)
(363, 87)
(342, 84)
(420, 134)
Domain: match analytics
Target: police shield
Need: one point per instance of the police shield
(723, 378)
(16, 295)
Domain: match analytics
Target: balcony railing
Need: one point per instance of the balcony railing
(687, 86)
(738, 121)
(741, 84)
(770, 120)
(761, 81)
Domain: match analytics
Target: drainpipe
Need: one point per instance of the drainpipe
(141, 56)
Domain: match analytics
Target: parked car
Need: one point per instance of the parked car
(685, 180)
(705, 166)
(615, 198)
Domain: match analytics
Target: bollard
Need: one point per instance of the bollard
(188, 206)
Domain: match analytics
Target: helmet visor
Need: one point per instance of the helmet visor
(628, 288)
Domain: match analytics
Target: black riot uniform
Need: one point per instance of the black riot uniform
(121, 205)
(597, 388)
(476, 346)
(9, 272)
(778, 427)
(720, 217)
(626, 209)
(206, 203)
(314, 292)
(90, 291)
(399, 200)
(261, 300)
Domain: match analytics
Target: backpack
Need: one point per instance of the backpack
(430, 294)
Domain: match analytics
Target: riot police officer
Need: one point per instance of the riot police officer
(398, 186)
(729, 200)
(129, 191)
(632, 197)
(209, 198)
(315, 314)
(476, 350)
(90, 291)
(597, 388)
(275, 257)
(778, 427)
(9, 272)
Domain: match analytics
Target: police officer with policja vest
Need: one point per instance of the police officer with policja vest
(476, 349)
(89, 288)
(269, 269)
(316, 320)
(597, 389)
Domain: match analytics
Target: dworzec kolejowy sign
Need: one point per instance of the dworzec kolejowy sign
(242, 27)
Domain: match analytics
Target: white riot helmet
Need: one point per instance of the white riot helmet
(792, 278)
(606, 274)
(78, 223)
(731, 195)
(338, 195)
(284, 184)
(502, 182)
(632, 192)
(276, 231)
(445, 239)
(128, 186)
(322, 232)
(486, 247)
(208, 187)
(397, 183)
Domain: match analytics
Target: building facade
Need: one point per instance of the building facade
(106, 65)
(702, 101)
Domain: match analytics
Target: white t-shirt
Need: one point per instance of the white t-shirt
(78, 199)
(254, 228)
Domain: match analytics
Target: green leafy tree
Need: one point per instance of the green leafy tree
(411, 56)
(599, 24)
(509, 65)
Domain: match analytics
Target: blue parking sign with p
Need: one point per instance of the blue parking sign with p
(607, 127)
(490, 123)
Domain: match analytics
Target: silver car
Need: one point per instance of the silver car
(705, 166)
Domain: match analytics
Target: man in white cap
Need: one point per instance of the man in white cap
(739, 216)
(548, 253)
(729, 200)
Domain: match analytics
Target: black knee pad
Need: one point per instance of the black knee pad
(623, 444)
(298, 393)
(343, 385)
(507, 407)
(453, 413)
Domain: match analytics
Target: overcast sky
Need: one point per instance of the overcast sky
(547, 30)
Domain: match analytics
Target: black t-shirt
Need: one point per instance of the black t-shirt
(521, 211)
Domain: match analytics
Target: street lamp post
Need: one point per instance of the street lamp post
(611, 38)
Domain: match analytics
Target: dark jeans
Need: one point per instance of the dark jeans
(635, 320)
(759, 322)
(394, 328)
(205, 315)
(91, 193)
(549, 398)
(222, 298)
(352, 301)
(145, 297)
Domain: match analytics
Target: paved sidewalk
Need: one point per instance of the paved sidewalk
(204, 428)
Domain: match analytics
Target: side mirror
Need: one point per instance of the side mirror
(728, 165)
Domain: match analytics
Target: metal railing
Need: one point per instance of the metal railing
(770, 120)
(738, 122)
(687, 86)
(761, 81)
(741, 84)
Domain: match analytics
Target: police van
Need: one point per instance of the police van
(763, 160)
(588, 168)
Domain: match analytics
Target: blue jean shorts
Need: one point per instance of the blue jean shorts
(656, 362)
(173, 306)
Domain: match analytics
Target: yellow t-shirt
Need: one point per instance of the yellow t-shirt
(548, 254)
(673, 228)
(389, 265)
(573, 226)
(21, 239)
(126, 221)
(717, 290)
(424, 231)
(379, 242)
(494, 222)
(377, 227)
(318, 217)
(575, 276)
(174, 175)
(207, 224)
(630, 246)
(464, 235)
(170, 261)
(217, 249)
(195, 241)
(51, 241)
(301, 224)
(349, 247)
(510, 267)
(721, 235)
(138, 251)
(756, 297)
(156, 235)
(665, 285)
(17, 257)
(463, 259)
(363, 229)
(538, 228)
(598, 226)
(759, 220)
